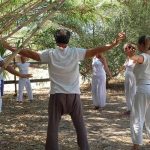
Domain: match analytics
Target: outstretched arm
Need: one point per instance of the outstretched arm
(92, 52)
(11, 70)
(25, 52)
(138, 59)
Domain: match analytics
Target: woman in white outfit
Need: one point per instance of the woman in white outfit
(12, 71)
(23, 69)
(141, 105)
(130, 83)
(100, 67)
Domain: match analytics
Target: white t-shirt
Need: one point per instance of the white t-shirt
(142, 74)
(63, 68)
(23, 67)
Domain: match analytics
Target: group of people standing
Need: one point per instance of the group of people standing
(100, 69)
(64, 98)
(137, 87)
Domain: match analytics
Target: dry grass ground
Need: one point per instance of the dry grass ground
(23, 126)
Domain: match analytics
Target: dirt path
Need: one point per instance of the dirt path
(23, 126)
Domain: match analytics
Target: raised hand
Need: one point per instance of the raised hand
(121, 36)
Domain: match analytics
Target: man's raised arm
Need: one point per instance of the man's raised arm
(25, 52)
(93, 51)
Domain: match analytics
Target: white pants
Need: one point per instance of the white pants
(99, 90)
(140, 113)
(130, 89)
(24, 83)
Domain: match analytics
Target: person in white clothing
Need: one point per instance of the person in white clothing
(12, 71)
(140, 112)
(130, 83)
(100, 68)
(63, 66)
(24, 82)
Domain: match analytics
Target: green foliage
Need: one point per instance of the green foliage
(45, 39)
(2, 50)
(92, 23)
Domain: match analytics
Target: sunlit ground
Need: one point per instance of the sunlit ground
(23, 126)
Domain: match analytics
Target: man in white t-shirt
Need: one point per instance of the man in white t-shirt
(12, 71)
(24, 69)
(63, 69)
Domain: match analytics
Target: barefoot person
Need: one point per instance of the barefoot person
(140, 113)
(100, 68)
(63, 65)
(130, 83)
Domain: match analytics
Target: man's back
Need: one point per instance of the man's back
(64, 68)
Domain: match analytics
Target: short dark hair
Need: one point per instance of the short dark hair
(145, 40)
(141, 40)
(62, 36)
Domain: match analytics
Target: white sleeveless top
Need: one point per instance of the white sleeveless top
(98, 67)
(142, 74)
(129, 65)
